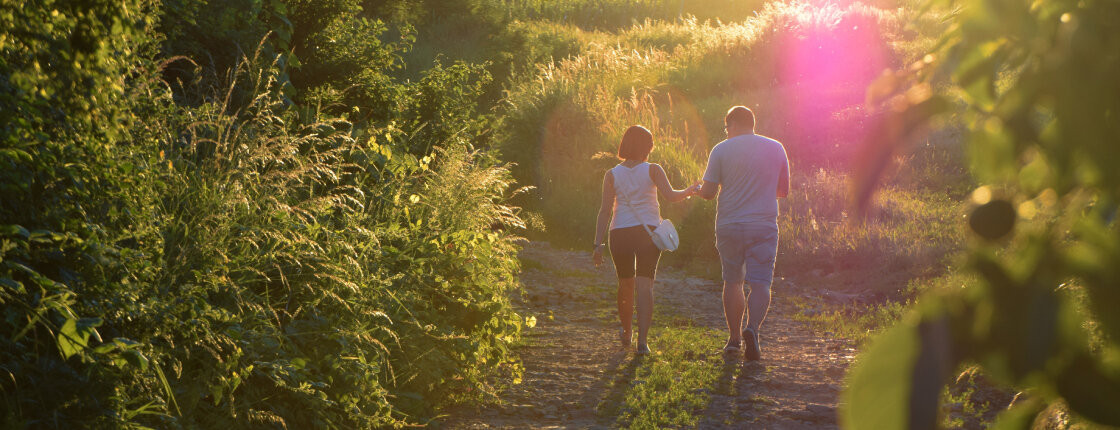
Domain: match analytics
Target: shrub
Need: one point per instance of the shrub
(1040, 311)
(236, 261)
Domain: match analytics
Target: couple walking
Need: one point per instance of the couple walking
(748, 173)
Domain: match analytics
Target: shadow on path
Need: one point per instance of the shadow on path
(731, 404)
(620, 374)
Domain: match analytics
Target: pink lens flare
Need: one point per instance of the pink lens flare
(826, 58)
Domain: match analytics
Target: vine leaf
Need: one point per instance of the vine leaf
(74, 335)
(1090, 390)
(898, 380)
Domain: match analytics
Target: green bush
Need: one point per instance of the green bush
(192, 255)
(1040, 109)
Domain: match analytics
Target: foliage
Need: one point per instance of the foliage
(849, 320)
(202, 252)
(678, 79)
(62, 227)
(618, 14)
(1042, 113)
(219, 34)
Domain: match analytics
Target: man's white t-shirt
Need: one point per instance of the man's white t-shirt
(748, 168)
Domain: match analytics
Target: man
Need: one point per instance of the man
(749, 173)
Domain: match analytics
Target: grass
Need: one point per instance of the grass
(670, 387)
(858, 321)
(618, 14)
(678, 78)
(848, 321)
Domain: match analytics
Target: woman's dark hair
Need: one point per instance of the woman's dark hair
(637, 142)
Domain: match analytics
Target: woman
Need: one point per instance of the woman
(635, 183)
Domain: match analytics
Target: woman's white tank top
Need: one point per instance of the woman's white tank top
(633, 183)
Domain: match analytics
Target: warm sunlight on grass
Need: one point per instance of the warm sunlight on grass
(802, 66)
(670, 388)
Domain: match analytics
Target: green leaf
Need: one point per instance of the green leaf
(1020, 416)
(46, 237)
(1090, 391)
(135, 358)
(16, 154)
(86, 327)
(977, 71)
(898, 380)
(167, 389)
(70, 342)
(14, 230)
(878, 392)
(12, 284)
(216, 393)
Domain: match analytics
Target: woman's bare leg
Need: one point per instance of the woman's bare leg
(626, 304)
(645, 307)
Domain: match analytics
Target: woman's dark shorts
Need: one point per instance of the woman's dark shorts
(630, 243)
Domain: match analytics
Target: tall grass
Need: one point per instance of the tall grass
(277, 268)
(363, 260)
(616, 14)
(679, 78)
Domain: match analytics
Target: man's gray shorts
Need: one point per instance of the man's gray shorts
(747, 252)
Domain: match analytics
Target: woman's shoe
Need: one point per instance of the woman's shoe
(642, 350)
(624, 337)
(731, 347)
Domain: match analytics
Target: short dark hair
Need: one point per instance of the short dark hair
(740, 116)
(637, 142)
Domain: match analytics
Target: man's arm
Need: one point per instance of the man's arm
(711, 176)
(709, 190)
(783, 178)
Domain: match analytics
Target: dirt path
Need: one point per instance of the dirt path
(572, 357)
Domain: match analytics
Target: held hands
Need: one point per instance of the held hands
(693, 190)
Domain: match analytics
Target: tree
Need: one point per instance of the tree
(1038, 80)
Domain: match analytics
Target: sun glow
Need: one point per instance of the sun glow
(827, 56)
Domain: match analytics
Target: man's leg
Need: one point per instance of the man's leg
(734, 304)
(732, 254)
(759, 302)
(760, 276)
(760, 273)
